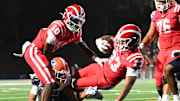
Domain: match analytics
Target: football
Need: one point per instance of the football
(109, 39)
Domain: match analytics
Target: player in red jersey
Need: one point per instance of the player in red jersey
(55, 36)
(124, 62)
(165, 23)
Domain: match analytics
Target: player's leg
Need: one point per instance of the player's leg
(40, 65)
(158, 78)
(163, 89)
(47, 91)
(90, 81)
(69, 94)
(166, 90)
(178, 81)
(170, 69)
(86, 71)
(33, 93)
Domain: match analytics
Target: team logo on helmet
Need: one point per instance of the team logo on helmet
(53, 63)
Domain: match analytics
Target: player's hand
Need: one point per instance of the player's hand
(141, 46)
(101, 61)
(102, 45)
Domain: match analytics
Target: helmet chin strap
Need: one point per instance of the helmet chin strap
(74, 28)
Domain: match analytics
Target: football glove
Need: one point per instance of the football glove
(141, 46)
(102, 45)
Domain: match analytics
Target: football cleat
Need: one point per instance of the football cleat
(97, 95)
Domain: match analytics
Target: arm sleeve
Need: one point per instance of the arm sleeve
(51, 39)
(131, 72)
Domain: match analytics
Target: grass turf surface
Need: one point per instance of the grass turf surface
(143, 90)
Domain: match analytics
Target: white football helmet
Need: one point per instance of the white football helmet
(127, 38)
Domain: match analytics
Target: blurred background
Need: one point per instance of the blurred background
(20, 20)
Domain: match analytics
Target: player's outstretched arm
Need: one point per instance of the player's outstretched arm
(129, 82)
(90, 53)
(84, 47)
(150, 36)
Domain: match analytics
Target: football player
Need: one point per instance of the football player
(63, 82)
(165, 24)
(124, 62)
(48, 40)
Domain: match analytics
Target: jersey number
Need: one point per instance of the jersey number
(55, 29)
(164, 26)
(115, 64)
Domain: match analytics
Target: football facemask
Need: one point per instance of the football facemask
(164, 6)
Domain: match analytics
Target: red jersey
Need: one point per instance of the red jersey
(56, 34)
(115, 68)
(168, 26)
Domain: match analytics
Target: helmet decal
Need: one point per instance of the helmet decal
(53, 63)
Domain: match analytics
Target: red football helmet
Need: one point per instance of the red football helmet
(74, 17)
(60, 67)
(127, 38)
(164, 7)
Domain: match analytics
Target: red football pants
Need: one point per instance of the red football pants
(92, 75)
(163, 58)
(39, 64)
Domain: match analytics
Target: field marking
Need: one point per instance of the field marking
(15, 84)
(14, 98)
(16, 94)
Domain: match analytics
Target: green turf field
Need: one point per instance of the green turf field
(143, 90)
